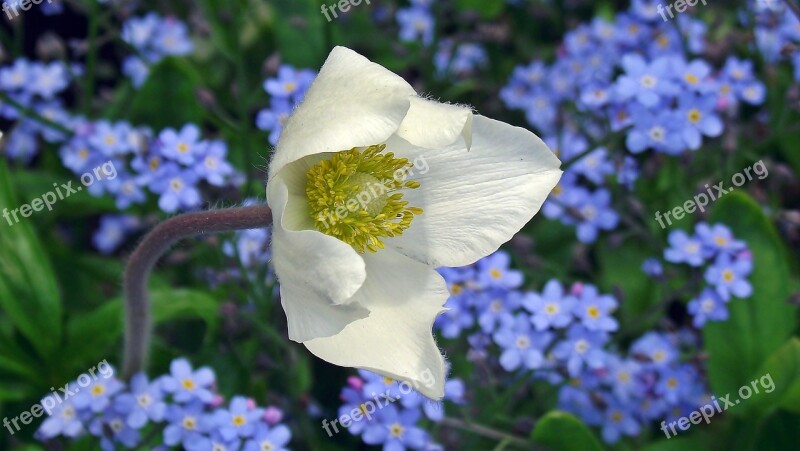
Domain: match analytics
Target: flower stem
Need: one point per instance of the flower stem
(91, 58)
(488, 433)
(154, 245)
(32, 114)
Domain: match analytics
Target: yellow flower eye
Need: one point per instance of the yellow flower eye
(356, 196)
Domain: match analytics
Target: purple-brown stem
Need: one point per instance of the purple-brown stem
(152, 247)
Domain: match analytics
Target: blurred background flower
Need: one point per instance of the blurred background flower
(589, 329)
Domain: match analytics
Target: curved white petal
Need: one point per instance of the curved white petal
(396, 340)
(316, 271)
(435, 125)
(474, 200)
(352, 103)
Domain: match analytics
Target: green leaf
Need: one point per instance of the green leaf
(778, 433)
(617, 264)
(758, 326)
(487, 10)
(791, 399)
(223, 35)
(168, 97)
(14, 360)
(32, 184)
(678, 444)
(29, 448)
(29, 292)
(561, 431)
(101, 329)
(301, 375)
(299, 31)
(14, 393)
(780, 374)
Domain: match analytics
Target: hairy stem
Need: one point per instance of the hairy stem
(154, 245)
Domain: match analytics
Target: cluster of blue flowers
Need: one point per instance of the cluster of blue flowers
(621, 394)
(557, 328)
(454, 57)
(34, 85)
(777, 32)
(171, 164)
(727, 261)
(459, 60)
(563, 334)
(153, 38)
(286, 91)
(390, 413)
(637, 77)
(177, 409)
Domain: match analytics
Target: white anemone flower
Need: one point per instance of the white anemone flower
(371, 188)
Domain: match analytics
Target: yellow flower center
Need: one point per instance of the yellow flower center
(691, 79)
(388, 380)
(695, 115)
(68, 413)
(496, 274)
(396, 430)
(551, 309)
(593, 312)
(83, 154)
(187, 384)
(144, 400)
(356, 196)
(189, 423)
(116, 426)
(672, 382)
(648, 81)
(616, 416)
(659, 356)
(98, 390)
(238, 420)
(728, 275)
(456, 289)
(183, 148)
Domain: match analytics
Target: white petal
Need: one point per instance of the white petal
(352, 103)
(435, 125)
(396, 340)
(316, 271)
(474, 200)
